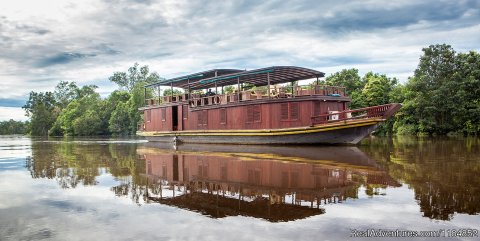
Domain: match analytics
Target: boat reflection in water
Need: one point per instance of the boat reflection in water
(273, 183)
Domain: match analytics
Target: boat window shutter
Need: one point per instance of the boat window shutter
(164, 114)
(293, 111)
(284, 111)
(185, 111)
(223, 116)
(205, 117)
(257, 115)
(199, 118)
(316, 108)
(148, 115)
(250, 115)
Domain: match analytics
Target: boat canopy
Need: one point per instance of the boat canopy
(182, 81)
(258, 77)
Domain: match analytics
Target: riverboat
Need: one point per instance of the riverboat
(260, 106)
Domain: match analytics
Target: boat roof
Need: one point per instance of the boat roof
(184, 80)
(257, 77)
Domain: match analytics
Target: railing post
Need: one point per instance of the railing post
(238, 86)
(145, 96)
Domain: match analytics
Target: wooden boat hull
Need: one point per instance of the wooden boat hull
(345, 132)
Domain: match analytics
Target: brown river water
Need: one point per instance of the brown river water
(129, 189)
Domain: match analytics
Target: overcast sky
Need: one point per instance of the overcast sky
(44, 42)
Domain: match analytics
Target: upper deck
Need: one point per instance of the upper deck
(253, 85)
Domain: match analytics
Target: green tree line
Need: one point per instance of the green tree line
(13, 127)
(71, 110)
(442, 97)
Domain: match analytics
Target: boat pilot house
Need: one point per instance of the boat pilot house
(261, 106)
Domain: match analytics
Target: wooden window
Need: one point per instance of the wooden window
(250, 113)
(164, 114)
(284, 111)
(316, 108)
(205, 118)
(257, 114)
(202, 118)
(199, 118)
(148, 115)
(289, 111)
(185, 111)
(223, 116)
(293, 111)
(254, 114)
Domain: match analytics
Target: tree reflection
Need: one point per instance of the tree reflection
(442, 172)
(73, 163)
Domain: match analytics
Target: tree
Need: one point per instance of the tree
(87, 104)
(229, 89)
(378, 90)
(353, 84)
(119, 123)
(468, 71)
(108, 106)
(136, 101)
(65, 92)
(442, 93)
(127, 80)
(12, 127)
(168, 92)
(40, 107)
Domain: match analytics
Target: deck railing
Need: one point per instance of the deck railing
(197, 100)
(381, 111)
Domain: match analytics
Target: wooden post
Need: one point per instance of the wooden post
(293, 89)
(171, 89)
(268, 81)
(145, 96)
(189, 92)
(159, 94)
(216, 90)
(238, 86)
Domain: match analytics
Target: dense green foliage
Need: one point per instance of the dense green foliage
(352, 82)
(370, 90)
(12, 127)
(80, 111)
(442, 97)
(42, 110)
(133, 76)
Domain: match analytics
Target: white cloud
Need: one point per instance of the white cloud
(16, 113)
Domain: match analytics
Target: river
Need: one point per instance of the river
(129, 189)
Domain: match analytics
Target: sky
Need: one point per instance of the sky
(44, 42)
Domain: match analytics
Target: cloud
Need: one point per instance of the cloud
(32, 29)
(15, 113)
(62, 58)
(371, 17)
